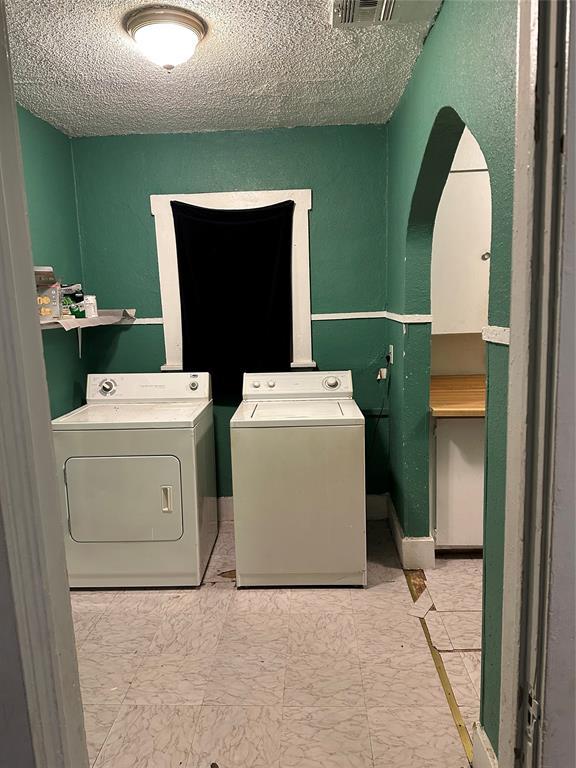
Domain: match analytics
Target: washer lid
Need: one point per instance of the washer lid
(132, 416)
(296, 413)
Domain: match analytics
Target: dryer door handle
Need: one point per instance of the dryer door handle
(167, 505)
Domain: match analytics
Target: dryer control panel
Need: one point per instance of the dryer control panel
(297, 385)
(144, 387)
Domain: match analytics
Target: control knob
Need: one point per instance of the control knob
(332, 382)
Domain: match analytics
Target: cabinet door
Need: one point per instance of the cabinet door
(459, 482)
(124, 498)
(462, 231)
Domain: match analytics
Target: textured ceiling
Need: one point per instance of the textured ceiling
(264, 63)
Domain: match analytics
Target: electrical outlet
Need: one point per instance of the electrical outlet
(391, 354)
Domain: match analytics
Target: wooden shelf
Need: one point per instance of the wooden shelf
(458, 396)
(105, 317)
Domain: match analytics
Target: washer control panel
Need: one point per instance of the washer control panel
(145, 387)
(297, 385)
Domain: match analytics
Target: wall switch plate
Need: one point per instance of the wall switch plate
(382, 374)
(391, 354)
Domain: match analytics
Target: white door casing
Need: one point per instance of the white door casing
(168, 264)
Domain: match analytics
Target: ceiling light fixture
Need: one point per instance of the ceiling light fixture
(165, 35)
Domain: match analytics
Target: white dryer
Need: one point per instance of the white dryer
(138, 485)
(298, 479)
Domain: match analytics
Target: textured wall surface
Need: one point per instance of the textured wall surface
(50, 194)
(468, 63)
(262, 65)
(345, 166)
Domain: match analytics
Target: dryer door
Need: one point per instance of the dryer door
(124, 498)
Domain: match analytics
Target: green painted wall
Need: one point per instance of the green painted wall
(345, 166)
(468, 63)
(52, 218)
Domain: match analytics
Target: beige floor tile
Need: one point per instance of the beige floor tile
(367, 651)
(471, 715)
(415, 737)
(84, 622)
(170, 679)
(464, 629)
(320, 601)
(382, 596)
(98, 719)
(98, 599)
(142, 602)
(456, 584)
(189, 633)
(386, 633)
(473, 663)
(323, 681)
(246, 677)
(105, 677)
(322, 633)
(438, 634)
(464, 691)
(260, 601)
(409, 679)
(122, 633)
(149, 737)
(255, 631)
(318, 737)
(211, 599)
(237, 737)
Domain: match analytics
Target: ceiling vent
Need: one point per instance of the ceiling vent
(366, 13)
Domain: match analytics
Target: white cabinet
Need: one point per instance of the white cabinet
(457, 481)
(460, 268)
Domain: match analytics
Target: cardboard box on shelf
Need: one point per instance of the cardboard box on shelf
(47, 293)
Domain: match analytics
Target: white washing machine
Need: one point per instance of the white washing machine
(138, 484)
(298, 477)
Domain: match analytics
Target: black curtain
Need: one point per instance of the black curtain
(235, 292)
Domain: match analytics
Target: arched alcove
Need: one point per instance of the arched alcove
(435, 167)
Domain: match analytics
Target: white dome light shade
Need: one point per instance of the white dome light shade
(166, 36)
(167, 44)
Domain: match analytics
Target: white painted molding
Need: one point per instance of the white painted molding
(168, 263)
(496, 334)
(141, 321)
(348, 315)
(225, 509)
(483, 754)
(407, 319)
(376, 506)
(414, 551)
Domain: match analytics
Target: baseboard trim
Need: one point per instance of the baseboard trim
(415, 552)
(225, 509)
(376, 506)
(483, 754)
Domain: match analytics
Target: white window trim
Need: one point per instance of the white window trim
(168, 264)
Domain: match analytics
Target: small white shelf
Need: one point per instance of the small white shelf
(105, 317)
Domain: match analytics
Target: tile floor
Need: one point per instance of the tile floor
(318, 678)
(455, 624)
